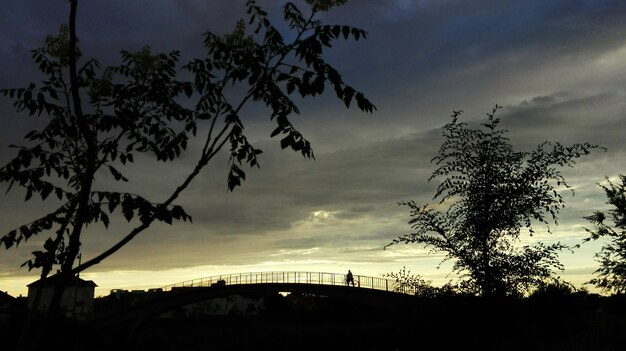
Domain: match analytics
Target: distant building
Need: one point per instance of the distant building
(77, 299)
(6, 300)
(120, 299)
(218, 306)
(7, 304)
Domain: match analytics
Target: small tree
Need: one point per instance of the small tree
(491, 193)
(406, 282)
(553, 288)
(611, 276)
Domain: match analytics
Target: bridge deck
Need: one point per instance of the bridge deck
(318, 278)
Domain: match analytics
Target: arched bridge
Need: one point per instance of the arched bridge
(309, 278)
(373, 291)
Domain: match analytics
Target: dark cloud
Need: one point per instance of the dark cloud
(569, 118)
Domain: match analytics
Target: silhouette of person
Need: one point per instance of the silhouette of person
(349, 278)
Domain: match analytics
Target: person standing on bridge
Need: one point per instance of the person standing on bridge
(349, 278)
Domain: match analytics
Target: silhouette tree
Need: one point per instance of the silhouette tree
(97, 120)
(491, 193)
(553, 289)
(611, 276)
(406, 282)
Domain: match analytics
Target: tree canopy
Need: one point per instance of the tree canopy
(611, 226)
(491, 193)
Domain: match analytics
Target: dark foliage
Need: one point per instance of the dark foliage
(611, 226)
(408, 283)
(492, 192)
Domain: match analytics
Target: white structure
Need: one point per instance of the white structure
(218, 306)
(77, 299)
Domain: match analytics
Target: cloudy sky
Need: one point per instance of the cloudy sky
(557, 67)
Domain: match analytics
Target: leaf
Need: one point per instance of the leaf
(117, 175)
(276, 131)
(128, 207)
(45, 190)
(348, 93)
(105, 219)
(164, 215)
(9, 239)
(178, 212)
(286, 141)
(346, 32)
(235, 176)
(29, 194)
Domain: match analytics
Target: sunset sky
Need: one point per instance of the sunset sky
(557, 67)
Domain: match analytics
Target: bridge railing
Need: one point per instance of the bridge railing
(321, 278)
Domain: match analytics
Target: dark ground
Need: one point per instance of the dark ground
(432, 325)
(455, 323)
